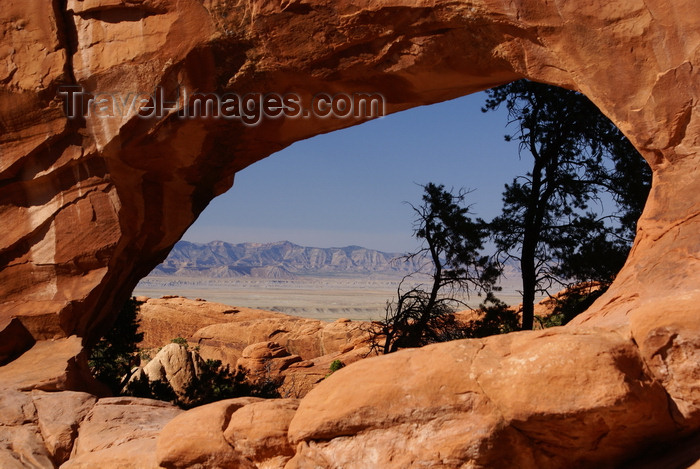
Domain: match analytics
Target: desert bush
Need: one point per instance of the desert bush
(142, 387)
(114, 358)
(180, 341)
(115, 354)
(336, 365)
(214, 382)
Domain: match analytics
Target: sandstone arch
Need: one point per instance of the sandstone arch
(89, 206)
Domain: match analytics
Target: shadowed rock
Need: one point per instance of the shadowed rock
(89, 205)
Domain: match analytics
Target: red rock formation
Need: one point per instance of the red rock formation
(222, 331)
(196, 438)
(120, 432)
(267, 344)
(51, 366)
(545, 399)
(88, 206)
(91, 205)
(163, 319)
(258, 432)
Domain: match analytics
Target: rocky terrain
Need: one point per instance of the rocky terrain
(517, 408)
(90, 205)
(297, 350)
(283, 260)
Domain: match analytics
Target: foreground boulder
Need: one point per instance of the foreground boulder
(21, 443)
(90, 205)
(196, 438)
(547, 399)
(52, 366)
(59, 417)
(242, 433)
(258, 432)
(45, 430)
(669, 344)
(120, 432)
(562, 397)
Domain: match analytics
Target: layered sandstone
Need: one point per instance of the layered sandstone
(120, 432)
(222, 332)
(91, 205)
(268, 345)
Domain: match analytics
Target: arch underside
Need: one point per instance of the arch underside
(90, 206)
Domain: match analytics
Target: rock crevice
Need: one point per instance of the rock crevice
(89, 206)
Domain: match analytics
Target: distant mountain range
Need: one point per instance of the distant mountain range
(281, 260)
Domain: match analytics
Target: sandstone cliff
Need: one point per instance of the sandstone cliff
(89, 206)
(266, 344)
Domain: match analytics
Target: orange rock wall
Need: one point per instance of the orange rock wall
(89, 206)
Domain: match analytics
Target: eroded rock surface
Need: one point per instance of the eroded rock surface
(273, 346)
(56, 365)
(21, 444)
(258, 432)
(222, 332)
(92, 204)
(89, 206)
(59, 416)
(120, 432)
(196, 438)
(163, 319)
(498, 402)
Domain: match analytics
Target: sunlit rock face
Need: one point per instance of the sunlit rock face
(88, 205)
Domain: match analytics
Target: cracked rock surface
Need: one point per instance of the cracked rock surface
(89, 205)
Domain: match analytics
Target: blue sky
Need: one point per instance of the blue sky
(348, 187)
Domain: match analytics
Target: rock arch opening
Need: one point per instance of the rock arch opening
(91, 205)
(346, 188)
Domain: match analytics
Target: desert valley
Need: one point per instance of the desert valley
(326, 284)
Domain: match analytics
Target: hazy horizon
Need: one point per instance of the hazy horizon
(349, 187)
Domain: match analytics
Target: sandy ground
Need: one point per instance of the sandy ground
(326, 299)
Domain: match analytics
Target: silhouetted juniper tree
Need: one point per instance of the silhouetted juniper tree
(451, 256)
(552, 223)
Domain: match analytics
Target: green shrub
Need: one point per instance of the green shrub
(116, 354)
(159, 390)
(217, 382)
(214, 383)
(112, 358)
(180, 341)
(336, 365)
(497, 318)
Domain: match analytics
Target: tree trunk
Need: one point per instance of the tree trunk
(529, 272)
(529, 285)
